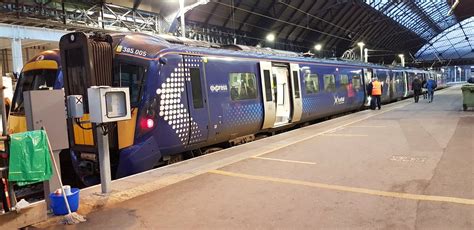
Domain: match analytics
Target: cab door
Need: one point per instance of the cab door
(196, 89)
(267, 95)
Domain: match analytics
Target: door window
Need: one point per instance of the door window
(268, 85)
(297, 86)
(196, 88)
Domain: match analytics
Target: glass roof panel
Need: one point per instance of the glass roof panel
(425, 18)
(451, 43)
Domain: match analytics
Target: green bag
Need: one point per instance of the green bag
(30, 161)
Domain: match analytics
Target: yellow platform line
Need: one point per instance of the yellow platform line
(408, 196)
(289, 161)
(344, 135)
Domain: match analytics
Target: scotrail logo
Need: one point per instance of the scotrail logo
(339, 100)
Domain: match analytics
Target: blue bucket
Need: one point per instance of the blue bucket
(58, 205)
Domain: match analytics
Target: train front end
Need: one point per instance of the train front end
(42, 72)
(120, 60)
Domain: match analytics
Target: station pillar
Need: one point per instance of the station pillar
(17, 55)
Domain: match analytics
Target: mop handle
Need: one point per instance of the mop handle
(57, 171)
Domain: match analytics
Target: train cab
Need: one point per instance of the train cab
(42, 72)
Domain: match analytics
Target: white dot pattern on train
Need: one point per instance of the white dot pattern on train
(172, 109)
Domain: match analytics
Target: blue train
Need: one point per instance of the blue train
(191, 97)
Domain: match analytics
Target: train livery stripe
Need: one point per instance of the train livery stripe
(126, 130)
(43, 64)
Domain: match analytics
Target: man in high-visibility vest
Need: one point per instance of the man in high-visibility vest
(376, 92)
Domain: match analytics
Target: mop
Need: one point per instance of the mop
(71, 217)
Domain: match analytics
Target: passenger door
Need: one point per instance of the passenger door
(267, 94)
(368, 74)
(282, 94)
(296, 95)
(196, 89)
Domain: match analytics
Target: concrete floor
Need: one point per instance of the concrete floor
(407, 166)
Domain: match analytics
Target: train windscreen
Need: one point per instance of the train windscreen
(40, 79)
(132, 76)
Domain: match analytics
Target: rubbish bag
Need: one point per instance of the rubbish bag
(30, 161)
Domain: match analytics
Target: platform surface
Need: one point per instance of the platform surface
(407, 166)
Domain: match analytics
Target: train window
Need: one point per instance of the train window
(297, 86)
(356, 82)
(329, 82)
(242, 86)
(132, 76)
(344, 79)
(268, 85)
(197, 88)
(312, 83)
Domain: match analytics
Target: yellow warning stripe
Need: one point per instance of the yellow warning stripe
(350, 189)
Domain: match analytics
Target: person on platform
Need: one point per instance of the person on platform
(423, 89)
(431, 86)
(376, 93)
(416, 86)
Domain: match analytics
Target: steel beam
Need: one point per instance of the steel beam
(28, 32)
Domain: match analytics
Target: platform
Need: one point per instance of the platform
(406, 166)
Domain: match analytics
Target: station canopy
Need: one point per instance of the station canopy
(447, 36)
(455, 43)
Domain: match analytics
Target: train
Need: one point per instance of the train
(42, 72)
(192, 98)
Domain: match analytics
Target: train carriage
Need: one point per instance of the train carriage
(187, 98)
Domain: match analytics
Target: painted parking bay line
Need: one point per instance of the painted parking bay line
(341, 188)
(282, 160)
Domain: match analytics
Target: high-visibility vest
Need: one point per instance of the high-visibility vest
(376, 88)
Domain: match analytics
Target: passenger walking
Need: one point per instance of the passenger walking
(423, 90)
(377, 89)
(431, 86)
(416, 86)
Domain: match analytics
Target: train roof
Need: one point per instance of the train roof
(46, 55)
(156, 45)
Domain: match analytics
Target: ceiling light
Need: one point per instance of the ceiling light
(318, 47)
(270, 37)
